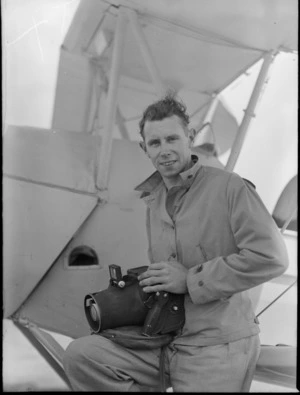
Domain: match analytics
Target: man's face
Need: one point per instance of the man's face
(168, 145)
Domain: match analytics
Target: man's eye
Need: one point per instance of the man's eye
(154, 143)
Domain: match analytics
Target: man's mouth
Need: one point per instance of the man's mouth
(169, 163)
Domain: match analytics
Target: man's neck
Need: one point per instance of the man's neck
(172, 182)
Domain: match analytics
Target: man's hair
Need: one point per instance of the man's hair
(164, 108)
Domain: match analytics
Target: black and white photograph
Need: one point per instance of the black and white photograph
(150, 213)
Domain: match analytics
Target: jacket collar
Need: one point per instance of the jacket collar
(153, 183)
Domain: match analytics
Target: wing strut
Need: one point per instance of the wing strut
(46, 345)
(249, 112)
(146, 53)
(106, 146)
(289, 219)
(112, 111)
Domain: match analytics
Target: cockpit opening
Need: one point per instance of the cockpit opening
(83, 256)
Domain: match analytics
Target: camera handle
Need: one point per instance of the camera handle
(154, 314)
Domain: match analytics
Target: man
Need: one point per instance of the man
(210, 238)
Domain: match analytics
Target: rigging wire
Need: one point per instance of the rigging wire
(273, 301)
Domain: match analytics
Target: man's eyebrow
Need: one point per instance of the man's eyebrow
(153, 139)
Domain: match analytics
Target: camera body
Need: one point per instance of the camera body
(124, 303)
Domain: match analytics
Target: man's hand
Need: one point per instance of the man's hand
(164, 276)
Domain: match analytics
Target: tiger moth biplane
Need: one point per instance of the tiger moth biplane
(70, 209)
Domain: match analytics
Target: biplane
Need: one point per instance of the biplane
(69, 205)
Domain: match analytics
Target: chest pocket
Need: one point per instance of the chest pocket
(193, 254)
(191, 247)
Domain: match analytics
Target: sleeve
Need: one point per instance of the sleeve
(261, 255)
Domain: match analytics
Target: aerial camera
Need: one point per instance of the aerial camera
(124, 303)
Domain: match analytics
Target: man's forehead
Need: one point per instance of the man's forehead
(171, 125)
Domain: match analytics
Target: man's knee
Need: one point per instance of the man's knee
(86, 350)
(75, 354)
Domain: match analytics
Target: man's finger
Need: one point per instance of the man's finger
(152, 280)
(152, 273)
(153, 270)
(158, 265)
(155, 288)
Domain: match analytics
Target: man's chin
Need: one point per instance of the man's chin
(170, 173)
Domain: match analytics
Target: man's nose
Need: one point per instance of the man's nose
(165, 154)
(165, 149)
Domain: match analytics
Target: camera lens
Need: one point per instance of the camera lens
(94, 313)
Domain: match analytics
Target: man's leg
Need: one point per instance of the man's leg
(222, 368)
(94, 363)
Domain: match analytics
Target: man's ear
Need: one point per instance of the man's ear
(143, 146)
(192, 134)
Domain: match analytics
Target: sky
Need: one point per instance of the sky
(33, 31)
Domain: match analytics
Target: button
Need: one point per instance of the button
(200, 283)
(173, 256)
(190, 176)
